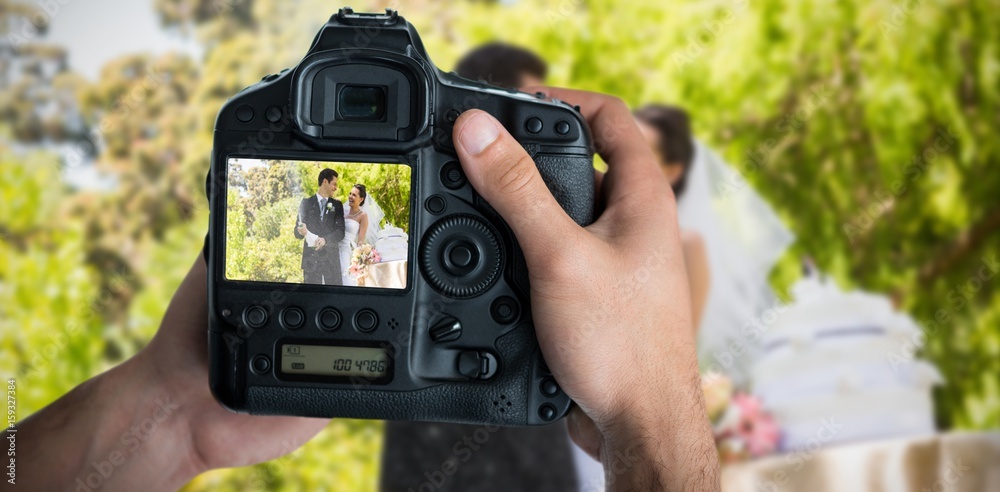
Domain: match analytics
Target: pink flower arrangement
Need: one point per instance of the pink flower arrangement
(746, 430)
(361, 257)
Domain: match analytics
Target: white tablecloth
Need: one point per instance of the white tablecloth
(390, 274)
(945, 462)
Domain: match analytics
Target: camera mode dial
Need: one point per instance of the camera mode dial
(460, 256)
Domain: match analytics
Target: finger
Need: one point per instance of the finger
(633, 183)
(506, 176)
(616, 135)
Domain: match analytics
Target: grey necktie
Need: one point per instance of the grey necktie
(322, 210)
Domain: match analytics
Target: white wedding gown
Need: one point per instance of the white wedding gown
(347, 246)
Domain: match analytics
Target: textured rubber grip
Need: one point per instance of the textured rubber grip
(570, 178)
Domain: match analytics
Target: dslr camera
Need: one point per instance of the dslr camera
(353, 270)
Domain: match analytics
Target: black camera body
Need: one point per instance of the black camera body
(456, 343)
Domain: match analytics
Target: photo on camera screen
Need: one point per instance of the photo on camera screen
(323, 223)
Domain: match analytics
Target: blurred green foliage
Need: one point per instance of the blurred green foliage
(868, 124)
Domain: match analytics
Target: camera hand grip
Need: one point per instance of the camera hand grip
(570, 178)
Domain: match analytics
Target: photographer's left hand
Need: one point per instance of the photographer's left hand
(151, 423)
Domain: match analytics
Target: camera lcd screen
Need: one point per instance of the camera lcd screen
(321, 223)
(324, 360)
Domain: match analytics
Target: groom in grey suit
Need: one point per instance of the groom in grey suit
(322, 215)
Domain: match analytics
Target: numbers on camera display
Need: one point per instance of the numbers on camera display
(374, 366)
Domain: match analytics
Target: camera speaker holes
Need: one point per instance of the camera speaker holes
(500, 403)
(392, 324)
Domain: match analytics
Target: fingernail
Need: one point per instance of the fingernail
(478, 133)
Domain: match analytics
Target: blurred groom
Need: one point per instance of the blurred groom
(323, 216)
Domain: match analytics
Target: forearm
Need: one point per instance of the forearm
(648, 447)
(117, 431)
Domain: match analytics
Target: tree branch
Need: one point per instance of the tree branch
(966, 242)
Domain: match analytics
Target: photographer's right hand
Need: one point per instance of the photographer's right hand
(609, 301)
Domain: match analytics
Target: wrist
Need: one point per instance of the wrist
(147, 435)
(660, 439)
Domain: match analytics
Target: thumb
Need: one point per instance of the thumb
(506, 176)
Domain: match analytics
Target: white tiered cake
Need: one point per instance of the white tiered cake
(839, 367)
(392, 244)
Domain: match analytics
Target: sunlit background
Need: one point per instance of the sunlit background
(834, 111)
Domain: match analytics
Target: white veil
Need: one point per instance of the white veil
(744, 238)
(375, 216)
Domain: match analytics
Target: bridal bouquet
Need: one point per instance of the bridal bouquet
(361, 257)
(742, 429)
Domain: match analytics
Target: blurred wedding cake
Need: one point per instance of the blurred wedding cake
(839, 367)
(392, 244)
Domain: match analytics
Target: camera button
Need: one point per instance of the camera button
(446, 330)
(459, 255)
(435, 204)
(365, 320)
(562, 127)
(272, 114)
(504, 310)
(244, 113)
(452, 176)
(255, 316)
(547, 412)
(328, 319)
(549, 387)
(292, 318)
(452, 115)
(477, 365)
(260, 364)
(533, 125)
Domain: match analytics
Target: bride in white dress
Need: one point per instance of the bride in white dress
(361, 225)
(737, 240)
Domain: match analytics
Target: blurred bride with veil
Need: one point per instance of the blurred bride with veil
(740, 236)
(731, 240)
